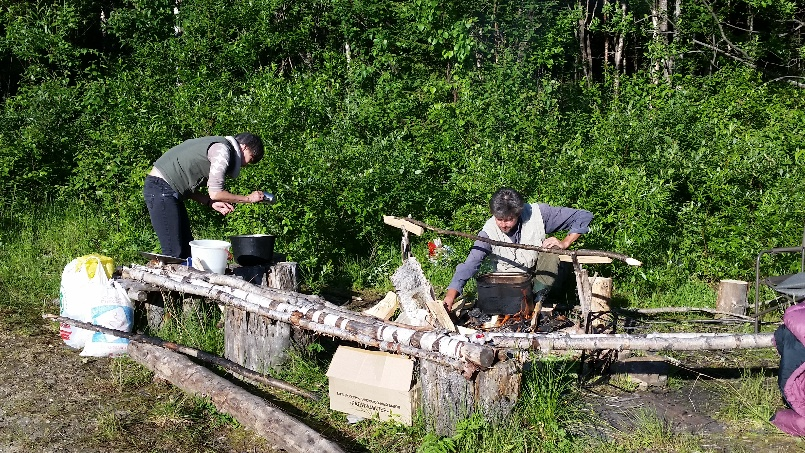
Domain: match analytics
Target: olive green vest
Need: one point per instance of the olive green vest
(186, 166)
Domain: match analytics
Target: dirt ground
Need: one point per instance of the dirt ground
(695, 402)
(53, 400)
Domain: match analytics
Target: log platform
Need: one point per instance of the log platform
(458, 374)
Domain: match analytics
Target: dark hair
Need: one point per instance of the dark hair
(254, 143)
(506, 203)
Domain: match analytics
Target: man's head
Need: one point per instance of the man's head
(506, 205)
(253, 144)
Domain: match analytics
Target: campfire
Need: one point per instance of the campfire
(527, 320)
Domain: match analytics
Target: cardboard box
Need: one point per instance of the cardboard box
(372, 383)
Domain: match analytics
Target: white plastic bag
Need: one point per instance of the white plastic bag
(114, 311)
(76, 292)
(97, 300)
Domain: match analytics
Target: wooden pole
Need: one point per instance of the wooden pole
(600, 298)
(651, 342)
(192, 352)
(255, 413)
(601, 253)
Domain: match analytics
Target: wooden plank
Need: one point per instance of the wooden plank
(385, 308)
(436, 308)
(586, 259)
(401, 223)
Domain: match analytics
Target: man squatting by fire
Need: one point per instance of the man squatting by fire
(514, 221)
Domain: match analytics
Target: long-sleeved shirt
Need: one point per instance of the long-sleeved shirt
(555, 219)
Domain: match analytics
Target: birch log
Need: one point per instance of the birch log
(319, 318)
(279, 428)
(650, 342)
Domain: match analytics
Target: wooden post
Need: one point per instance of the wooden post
(256, 342)
(448, 397)
(601, 296)
(584, 290)
(732, 297)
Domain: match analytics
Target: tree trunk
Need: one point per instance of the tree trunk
(584, 41)
(605, 19)
(257, 342)
(279, 428)
(620, 64)
(659, 22)
(447, 398)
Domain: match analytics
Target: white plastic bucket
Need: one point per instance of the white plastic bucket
(210, 255)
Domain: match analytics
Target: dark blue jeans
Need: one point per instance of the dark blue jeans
(168, 217)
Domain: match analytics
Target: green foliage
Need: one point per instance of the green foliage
(654, 433)
(193, 322)
(410, 108)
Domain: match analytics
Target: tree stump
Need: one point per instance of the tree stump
(256, 342)
(283, 275)
(732, 297)
(447, 397)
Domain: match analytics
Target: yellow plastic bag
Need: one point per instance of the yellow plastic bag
(91, 263)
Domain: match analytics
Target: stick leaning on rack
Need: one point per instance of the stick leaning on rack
(416, 227)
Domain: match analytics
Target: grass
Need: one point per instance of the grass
(753, 401)
(653, 433)
(549, 416)
(193, 322)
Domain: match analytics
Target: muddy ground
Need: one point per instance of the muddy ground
(53, 400)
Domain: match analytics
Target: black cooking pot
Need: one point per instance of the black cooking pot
(252, 249)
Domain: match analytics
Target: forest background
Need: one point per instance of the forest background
(679, 124)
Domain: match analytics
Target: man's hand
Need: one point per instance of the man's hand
(255, 197)
(223, 207)
(450, 299)
(553, 243)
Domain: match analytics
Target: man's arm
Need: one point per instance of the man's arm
(565, 219)
(575, 221)
(466, 270)
(218, 154)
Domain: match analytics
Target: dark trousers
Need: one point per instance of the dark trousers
(168, 217)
